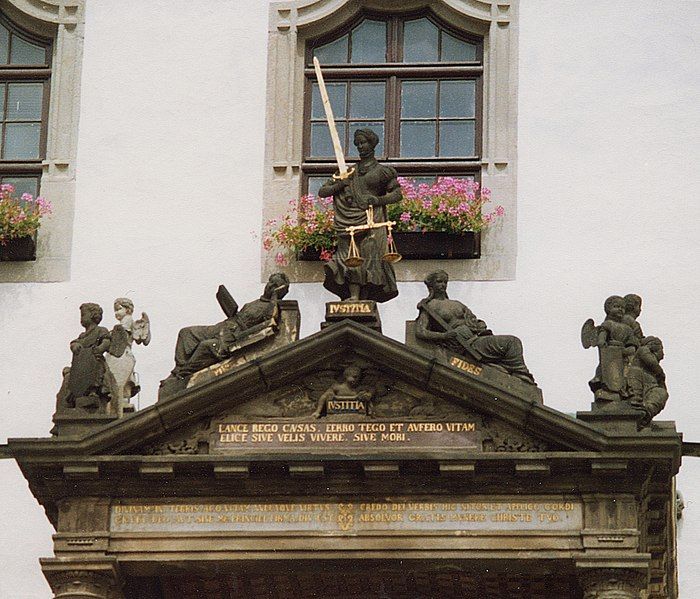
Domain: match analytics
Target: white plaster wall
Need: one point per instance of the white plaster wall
(168, 206)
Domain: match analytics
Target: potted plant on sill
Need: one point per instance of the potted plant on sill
(443, 220)
(20, 219)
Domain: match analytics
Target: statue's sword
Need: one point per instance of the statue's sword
(337, 147)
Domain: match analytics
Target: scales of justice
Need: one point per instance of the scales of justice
(354, 258)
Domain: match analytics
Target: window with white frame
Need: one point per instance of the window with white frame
(436, 79)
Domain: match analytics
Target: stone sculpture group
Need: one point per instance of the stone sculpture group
(101, 376)
(629, 373)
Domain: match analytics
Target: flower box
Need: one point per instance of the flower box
(20, 249)
(434, 245)
(309, 255)
(431, 245)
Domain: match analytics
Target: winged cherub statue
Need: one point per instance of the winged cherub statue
(120, 359)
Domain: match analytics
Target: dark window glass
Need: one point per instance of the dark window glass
(23, 106)
(24, 52)
(334, 52)
(369, 42)
(23, 185)
(421, 39)
(456, 50)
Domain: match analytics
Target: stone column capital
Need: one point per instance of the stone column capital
(82, 579)
(612, 583)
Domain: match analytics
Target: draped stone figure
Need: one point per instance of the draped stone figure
(452, 324)
(200, 346)
(371, 185)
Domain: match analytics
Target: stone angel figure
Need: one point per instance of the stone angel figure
(120, 361)
(616, 342)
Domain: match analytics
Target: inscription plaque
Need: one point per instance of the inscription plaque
(344, 435)
(464, 514)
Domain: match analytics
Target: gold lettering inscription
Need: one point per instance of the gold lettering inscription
(340, 518)
(345, 405)
(348, 434)
(466, 366)
(349, 308)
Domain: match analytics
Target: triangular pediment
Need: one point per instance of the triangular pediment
(403, 384)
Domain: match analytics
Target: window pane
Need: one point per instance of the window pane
(3, 87)
(321, 144)
(4, 44)
(336, 95)
(23, 185)
(369, 42)
(367, 100)
(315, 184)
(457, 138)
(418, 139)
(24, 101)
(418, 99)
(21, 141)
(420, 41)
(454, 50)
(25, 53)
(334, 52)
(378, 128)
(457, 98)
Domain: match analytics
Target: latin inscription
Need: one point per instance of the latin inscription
(466, 366)
(467, 514)
(266, 435)
(347, 308)
(346, 406)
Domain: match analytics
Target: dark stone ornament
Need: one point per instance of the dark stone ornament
(345, 396)
(629, 377)
(201, 346)
(83, 383)
(451, 324)
(361, 265)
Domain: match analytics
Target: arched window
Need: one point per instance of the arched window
(412, 79)
(25, 75)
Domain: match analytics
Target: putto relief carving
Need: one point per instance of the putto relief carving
(629, 376)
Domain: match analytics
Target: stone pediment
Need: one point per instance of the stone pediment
(429, 404)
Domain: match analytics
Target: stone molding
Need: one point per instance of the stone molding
(292, 22)
(612, 583)
(64, 22)
(83, 579)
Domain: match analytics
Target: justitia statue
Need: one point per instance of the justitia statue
(370, 186)
(450, 323)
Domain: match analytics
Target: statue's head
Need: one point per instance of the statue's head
(90, 314)
(437, 280)
(365, 141)
(655, 345)
(633, 305)
(614, 307)
(351, 375)
(277, 285)
(122, 307)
